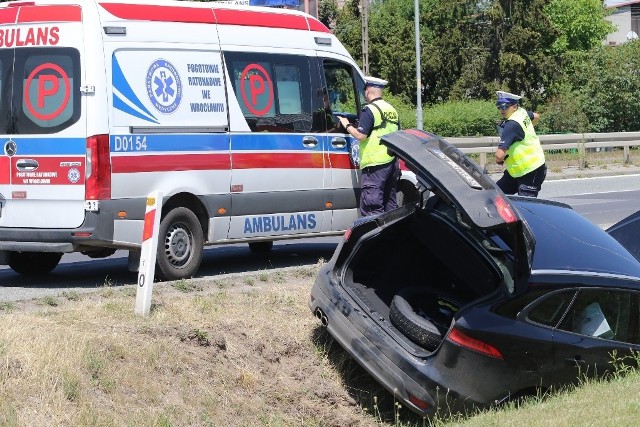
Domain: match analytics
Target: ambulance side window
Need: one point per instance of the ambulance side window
(345, 87)
(48, 95)
(273, 91)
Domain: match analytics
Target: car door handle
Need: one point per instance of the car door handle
(576, 361)
(310, 141)
(27, 164)
(338, 142)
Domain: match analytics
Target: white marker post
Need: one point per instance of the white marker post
(146, 270)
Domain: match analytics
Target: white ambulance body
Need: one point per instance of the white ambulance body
(223, 109)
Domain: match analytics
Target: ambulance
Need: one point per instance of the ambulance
(228, 111)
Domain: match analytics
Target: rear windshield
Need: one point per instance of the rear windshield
(39, 90)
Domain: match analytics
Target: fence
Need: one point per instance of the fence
(484, 145)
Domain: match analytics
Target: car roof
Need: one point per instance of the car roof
(565, 240)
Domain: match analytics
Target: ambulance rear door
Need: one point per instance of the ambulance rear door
(42, 120)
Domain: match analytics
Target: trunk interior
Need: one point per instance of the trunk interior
(426, 249)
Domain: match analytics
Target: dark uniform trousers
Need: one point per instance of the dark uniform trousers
(526, 185)
(378, 188)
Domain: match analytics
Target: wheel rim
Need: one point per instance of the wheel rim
(178, 244)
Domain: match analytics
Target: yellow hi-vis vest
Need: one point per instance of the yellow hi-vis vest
(385, 120)
(526, 155)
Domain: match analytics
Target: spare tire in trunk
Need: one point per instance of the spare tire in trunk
(423, 315)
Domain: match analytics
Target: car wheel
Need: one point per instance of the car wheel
(423, 316)
(260, 247)
(34, 263)
(180, 243)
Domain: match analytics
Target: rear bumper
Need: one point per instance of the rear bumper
(402, 375)
(96, 231)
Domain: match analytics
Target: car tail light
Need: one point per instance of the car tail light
(347, 234)
(458, 337)
(98, 173)
(418, 402)
(504, 210)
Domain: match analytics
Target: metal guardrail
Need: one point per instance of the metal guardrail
(581, 141)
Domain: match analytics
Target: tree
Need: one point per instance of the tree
(581, 23)
(327, 12)
(392, 43)
(348, 29)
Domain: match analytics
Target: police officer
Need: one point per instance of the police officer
(380, 171)
(519, 148)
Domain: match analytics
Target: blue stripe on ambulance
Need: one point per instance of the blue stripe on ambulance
(218, 141)
(50, 146)
(169, 142)
(121, 86)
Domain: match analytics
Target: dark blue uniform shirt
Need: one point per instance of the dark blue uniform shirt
(510, 131)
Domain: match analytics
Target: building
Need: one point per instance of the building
(626, 17)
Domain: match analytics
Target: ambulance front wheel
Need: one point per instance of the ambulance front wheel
(34, 263)
(180, 243)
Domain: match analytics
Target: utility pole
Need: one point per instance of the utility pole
(418, 73)
(365, 36)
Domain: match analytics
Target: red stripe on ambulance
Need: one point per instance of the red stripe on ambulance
(4, 166)
(315, 25)
(49, 170)
(170, 162)
(260, 19)
(148, 12)
(341, 161)
(49, 13)
(8, 15)
(277, 160)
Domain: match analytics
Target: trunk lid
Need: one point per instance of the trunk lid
(455, 178)
(627, 232)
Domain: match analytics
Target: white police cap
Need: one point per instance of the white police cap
(375, 82)
(507, 98)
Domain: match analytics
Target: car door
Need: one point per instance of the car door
(343, 91)
(42, 120)
(278, 166)
(599, 331)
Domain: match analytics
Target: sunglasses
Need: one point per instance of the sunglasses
(503, 107)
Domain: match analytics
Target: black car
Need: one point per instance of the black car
(468, 298)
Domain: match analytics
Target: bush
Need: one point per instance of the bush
(406, 110)
(462, 118)
(562, 114)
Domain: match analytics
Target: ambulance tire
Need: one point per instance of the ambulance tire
(260, 247)
(34, 263)
(180, 244)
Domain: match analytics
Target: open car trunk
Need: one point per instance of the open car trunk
(428, 249)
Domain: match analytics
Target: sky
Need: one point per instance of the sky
(609, 3)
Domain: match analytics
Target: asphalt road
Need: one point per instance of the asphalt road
(603, 200)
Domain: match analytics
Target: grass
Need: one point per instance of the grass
(226, 352)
